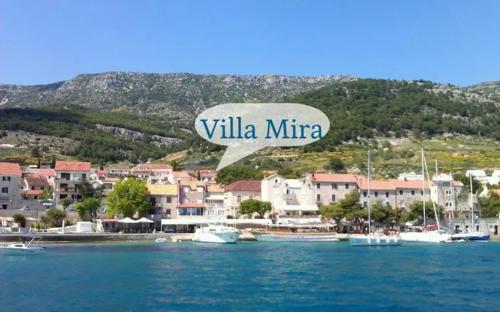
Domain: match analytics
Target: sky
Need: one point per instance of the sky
(454, 42)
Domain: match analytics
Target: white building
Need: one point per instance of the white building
(292, 200)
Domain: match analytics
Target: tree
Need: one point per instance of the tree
(86, 189)
(47, 194)
(353, 209)
(490, 206)
(234, 173)
(54, 217)
(336, 164)
(251, 206)
(477, 187)
(415, 213)
(128, 198)
(333, 211)
(20, 220)
(384, 213)
(66, 202)
(87, 209)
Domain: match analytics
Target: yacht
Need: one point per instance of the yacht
(433, 233)
(23, 248)
(420, 234)
(216, 233)
(471, 235)
(372, 239)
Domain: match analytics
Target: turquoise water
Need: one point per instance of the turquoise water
(253, 277)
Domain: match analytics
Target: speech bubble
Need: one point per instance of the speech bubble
(246, 128)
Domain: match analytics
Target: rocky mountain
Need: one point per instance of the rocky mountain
(178, 96)
(490, 90)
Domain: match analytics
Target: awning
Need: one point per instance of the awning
(144, 220)
(127, 220)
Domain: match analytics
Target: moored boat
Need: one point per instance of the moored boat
(296, 237)
(471, 236)
(216, 234)
(23, 248)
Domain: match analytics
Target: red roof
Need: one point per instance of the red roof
(43, 172)
(72, 166)
(243, 186)
(11, 169)
(384, 185)
(334, 177)
(33, 192)
(191, 205)
(36, 181)
(409, 184)
(147, 167)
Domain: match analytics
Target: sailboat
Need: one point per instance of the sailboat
(372, 239)
(471, 235)
(23, 248)
(426, 234)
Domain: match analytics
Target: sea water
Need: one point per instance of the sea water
(253, 277)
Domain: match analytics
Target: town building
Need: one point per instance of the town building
(292, 200)
(164, 200)
(11, 184)
(149, 169)
(382, 191)
(445, 192)
(329, 188)
(410, 191)
(215, 201)
(35, 186)
(69, 174)
(239, 191)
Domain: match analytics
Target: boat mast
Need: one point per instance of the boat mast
(369, 195)
(429, 184)
(471, 203)
(423, 186)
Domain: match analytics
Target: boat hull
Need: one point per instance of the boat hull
(374, 240)
(425, 237)
(217, 237)
(21, 251)
(295, 238)
(474, 236)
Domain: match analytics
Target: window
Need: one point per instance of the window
(421, 192)
(400, 192)
(334, 186)
(239, 199)
(5, 189)
(317, 186)
(376, 194)
(412, 192)
(169, 199)
(346, 186)
(318, 197)
(386, 194)
(4, 206)
(276, 181)
(333, 198)
(168, 211)
(5, 178)
(364, 194)
(365, 204)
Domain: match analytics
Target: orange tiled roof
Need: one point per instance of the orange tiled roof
(243, 186)
(33, 192)
(37, 181)
(384, 185)
(147, 167)
(10, 169)
(334, 177)
(72, 166)
(42, 172)
(409, 184)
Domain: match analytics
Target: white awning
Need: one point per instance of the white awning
(127, 220)
(144, 220)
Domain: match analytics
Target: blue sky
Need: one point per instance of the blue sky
(445, 41)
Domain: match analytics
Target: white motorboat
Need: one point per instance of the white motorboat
(372, 239)
(23, 248)
(217, 234)
(294, 237)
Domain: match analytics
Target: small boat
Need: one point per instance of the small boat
(23, 248)
(471, 236)
(161, 240)
(216, 234)
(296, 238)
(374, 240)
